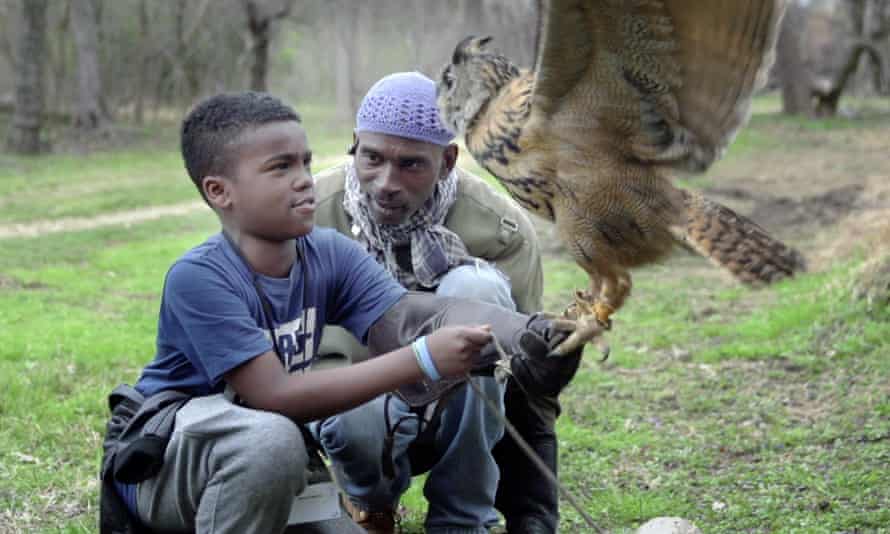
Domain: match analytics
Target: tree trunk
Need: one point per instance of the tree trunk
(258, 39)
(7, 43)
(139, 105)
(865, 15)
(24, 134)
(259, 25)
(89, 115)
(345, 15)
(828, 95)
(795, 78)
(419, 31)
(260, 65)
(472, 14)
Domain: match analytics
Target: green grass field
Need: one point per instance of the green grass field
(741, 410)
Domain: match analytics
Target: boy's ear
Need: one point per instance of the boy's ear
(217, 191)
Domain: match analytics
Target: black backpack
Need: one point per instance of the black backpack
(135, 440)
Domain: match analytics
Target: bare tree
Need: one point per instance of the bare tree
(261, 14)
(804, 91)
(90, 114)
(795, 78)
(345, 14)
(154, 58)
(139, 104)
(6, 44)
(871, 24)
(24, 133)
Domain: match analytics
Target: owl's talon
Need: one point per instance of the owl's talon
(603, 311)
(589, 318)
(586, 328)
(605, 350)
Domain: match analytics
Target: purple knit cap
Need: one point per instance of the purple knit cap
(403, 104)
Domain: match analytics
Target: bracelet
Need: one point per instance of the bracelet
(425, 359)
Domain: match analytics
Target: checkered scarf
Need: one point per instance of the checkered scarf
(434, 249)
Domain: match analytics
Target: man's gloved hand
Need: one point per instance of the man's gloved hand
(535, 369)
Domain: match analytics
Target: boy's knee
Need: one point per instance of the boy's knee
(276, 457)
(478, 282)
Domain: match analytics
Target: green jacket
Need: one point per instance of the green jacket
(492, 226)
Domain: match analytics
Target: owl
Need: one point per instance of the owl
(623, 94)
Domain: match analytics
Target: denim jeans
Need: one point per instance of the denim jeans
(461, 485)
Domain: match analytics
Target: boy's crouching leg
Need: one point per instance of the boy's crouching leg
(226, 469)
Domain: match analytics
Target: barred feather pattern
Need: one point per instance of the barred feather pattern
(736, 243)
(494, 138)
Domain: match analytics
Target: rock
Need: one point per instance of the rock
(669, 525)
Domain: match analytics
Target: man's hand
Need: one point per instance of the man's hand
(536, 369)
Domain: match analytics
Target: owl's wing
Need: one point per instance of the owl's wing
(665, 81)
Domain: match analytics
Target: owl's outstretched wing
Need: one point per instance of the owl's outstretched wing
(660, 81)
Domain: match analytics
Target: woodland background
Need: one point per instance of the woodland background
(95, 63)
(742, 410)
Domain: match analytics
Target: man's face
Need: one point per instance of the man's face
(271, 190)
(399, 174)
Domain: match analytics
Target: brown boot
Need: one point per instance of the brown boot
(373, 521)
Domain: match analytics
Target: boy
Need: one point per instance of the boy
(239, 322)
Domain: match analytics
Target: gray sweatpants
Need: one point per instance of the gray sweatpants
(229, 469)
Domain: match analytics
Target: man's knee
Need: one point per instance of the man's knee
(480, 282)
(467, 413)
(355, 433)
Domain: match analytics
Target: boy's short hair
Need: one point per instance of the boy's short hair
(214, 123)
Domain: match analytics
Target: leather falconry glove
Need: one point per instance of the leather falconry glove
(530, 340)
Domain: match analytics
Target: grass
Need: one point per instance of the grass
(744, 411)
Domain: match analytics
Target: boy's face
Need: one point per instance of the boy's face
(271, 192)
(398, 174)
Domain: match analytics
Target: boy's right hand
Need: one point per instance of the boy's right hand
(455, 349)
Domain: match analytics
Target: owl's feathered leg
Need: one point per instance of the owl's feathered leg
(614, 290)
(591, 311)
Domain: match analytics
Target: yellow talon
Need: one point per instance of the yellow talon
(602, 311)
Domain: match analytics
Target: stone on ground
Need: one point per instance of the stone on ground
(668, 525)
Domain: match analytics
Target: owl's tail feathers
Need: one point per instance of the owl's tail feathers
(736, 243)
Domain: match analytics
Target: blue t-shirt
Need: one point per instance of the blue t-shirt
(211, 318)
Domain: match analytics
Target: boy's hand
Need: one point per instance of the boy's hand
(455, 349)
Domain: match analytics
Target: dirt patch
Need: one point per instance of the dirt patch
(865, 230)
(70, 224)
(8, 283)
(783, 212)
(827, 225)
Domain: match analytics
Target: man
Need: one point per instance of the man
(438, 228)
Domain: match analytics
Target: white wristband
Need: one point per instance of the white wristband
(425, 359)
